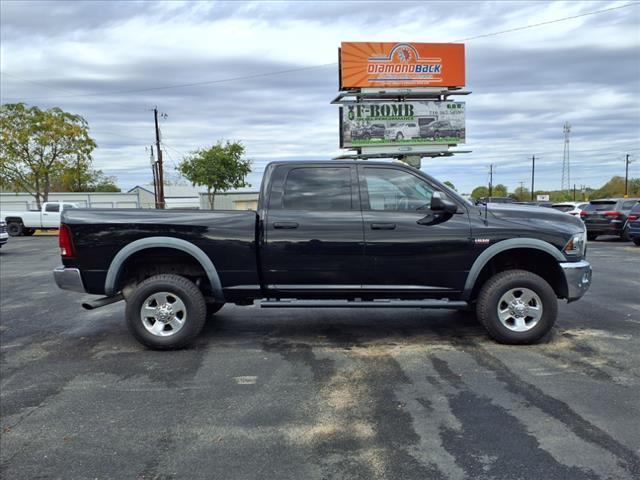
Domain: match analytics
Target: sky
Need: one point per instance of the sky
(212, 68)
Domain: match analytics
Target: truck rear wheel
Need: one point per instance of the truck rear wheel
(28, 232)
(14, 229)
(517, 307)
(166, 312)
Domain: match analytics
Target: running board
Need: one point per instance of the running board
(383, 303)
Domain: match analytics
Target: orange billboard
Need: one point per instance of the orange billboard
(401, 65)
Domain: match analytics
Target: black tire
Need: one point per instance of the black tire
(213, 308)
(186, 292)
(399, 136)
(489, 301)
(28, 232)
(592, 236)
(14, 229)
(625, 235)
(636, 241)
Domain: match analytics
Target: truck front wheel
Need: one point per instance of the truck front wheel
(517, 307)
(166, 312)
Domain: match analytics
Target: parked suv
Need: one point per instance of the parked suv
(607, 216)
(633, 224)
(402, 130)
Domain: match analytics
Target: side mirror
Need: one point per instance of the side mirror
(440, 203)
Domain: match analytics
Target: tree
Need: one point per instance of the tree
(219, 168)
(479, 192)
(522, 194)
(36, 146)
(499, 191)
(450, 185)
(82, 179)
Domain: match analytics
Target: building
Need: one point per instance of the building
(175, 196)
(181, 196)
(25, 201)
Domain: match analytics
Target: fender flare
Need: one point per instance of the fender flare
(502, 246)
(115, 268)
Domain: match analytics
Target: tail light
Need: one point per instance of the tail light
(632, 217)
(64, 240)
(612, 214)
(584, 213)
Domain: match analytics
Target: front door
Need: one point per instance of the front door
(409, 248)
(313, 230)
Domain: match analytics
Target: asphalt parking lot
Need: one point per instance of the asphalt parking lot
(317, 394)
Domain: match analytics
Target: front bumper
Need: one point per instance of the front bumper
(578, 278)
(69, 279)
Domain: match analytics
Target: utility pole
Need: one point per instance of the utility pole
(155, 177)
(626, 177)
(521, 190)
(566, 164)
(574, 192)
(490, 179)
(533, 175)
(160, 189)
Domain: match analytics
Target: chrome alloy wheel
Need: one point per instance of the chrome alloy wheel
(520, 309)
(163, 314)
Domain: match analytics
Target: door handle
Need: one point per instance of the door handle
(285, 225)
(383, 226)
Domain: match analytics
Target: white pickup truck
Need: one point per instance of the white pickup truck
(26, 222)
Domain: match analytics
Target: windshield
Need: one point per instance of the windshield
(600, 206)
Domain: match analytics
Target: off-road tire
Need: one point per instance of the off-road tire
(491, 293)
(624, 236)
(14, 229)
(186, 291)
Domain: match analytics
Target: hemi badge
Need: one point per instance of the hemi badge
(481, 241)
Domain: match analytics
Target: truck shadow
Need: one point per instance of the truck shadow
(343, 327)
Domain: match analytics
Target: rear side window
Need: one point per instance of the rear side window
(318, 188)
(52, 207)
(628, 204)
(636, 209)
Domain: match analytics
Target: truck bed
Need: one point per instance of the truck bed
(228, 237)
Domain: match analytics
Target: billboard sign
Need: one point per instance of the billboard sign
(406, 65)
(402, 123)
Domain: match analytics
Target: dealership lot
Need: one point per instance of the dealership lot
(317, 393)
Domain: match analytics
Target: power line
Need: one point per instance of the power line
(534, 25)
(192, 84)
(313, 67)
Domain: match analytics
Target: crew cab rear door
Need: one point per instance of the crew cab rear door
(313, 234)
(409, 248)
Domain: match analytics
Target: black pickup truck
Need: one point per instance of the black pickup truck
(329, 234)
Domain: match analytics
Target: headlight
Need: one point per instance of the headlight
(577, 245)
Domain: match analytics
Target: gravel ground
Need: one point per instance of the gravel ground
(317, 394)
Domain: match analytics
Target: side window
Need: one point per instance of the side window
(52, 207)
(390, 189)
(318, 188)
(627, 205)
